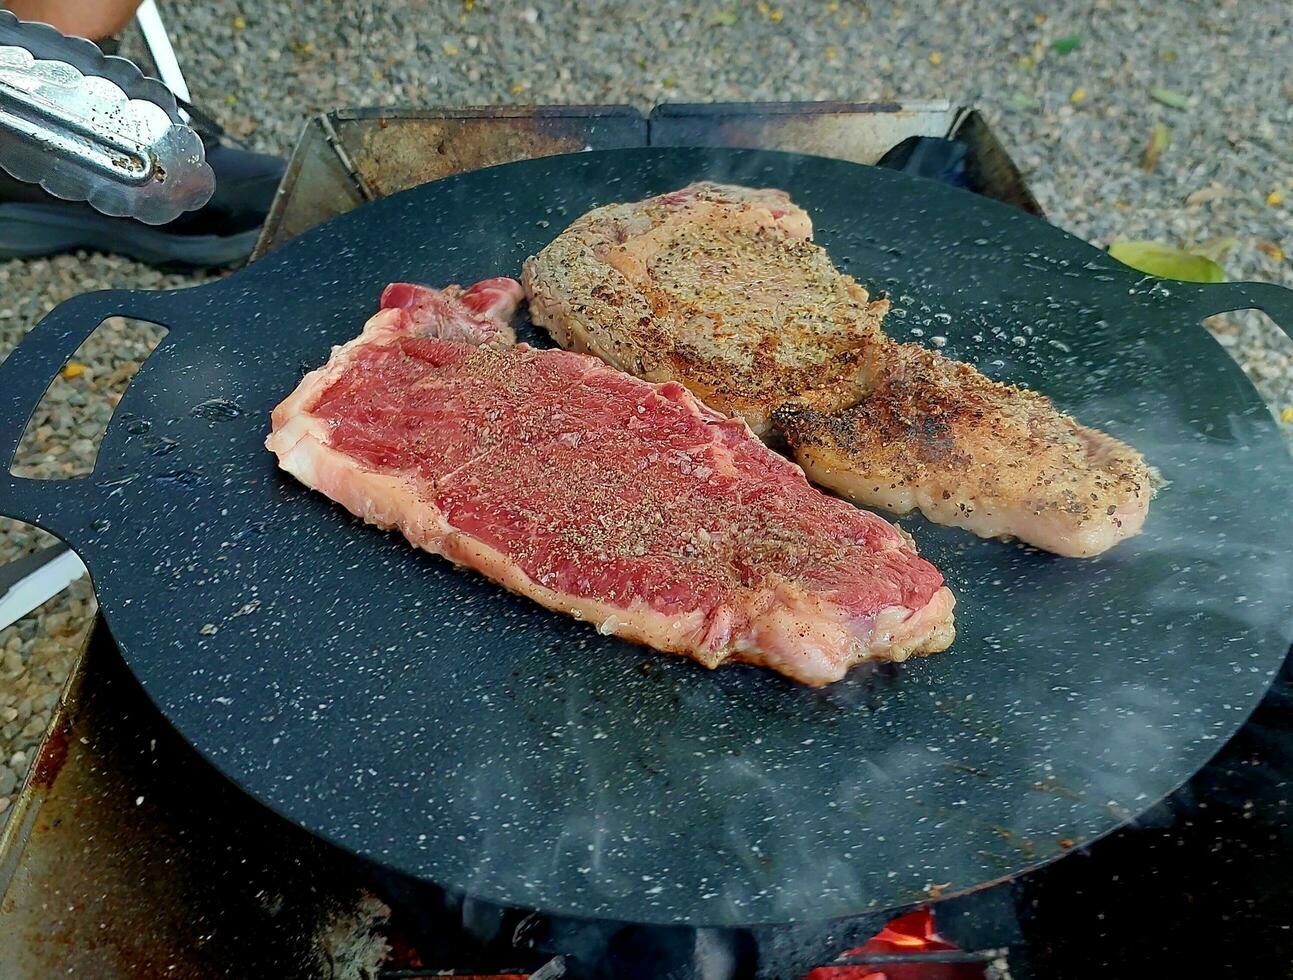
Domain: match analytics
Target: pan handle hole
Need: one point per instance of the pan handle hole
(63, 436)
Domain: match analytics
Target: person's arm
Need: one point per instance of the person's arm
(83, 18)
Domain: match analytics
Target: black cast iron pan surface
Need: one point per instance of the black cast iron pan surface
(421, 716)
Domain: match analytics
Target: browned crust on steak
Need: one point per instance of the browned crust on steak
(934, 434)
(719, 289)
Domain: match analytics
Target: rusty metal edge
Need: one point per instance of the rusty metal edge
(339, 148)
(287, 186)
(284, 193)
(798, 108)
(359, 114)
(324, 125)
(963, 117)
(49, 757)
(988, 153)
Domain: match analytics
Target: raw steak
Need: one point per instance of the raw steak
(720, 288)
(614, 500)
(479, 315)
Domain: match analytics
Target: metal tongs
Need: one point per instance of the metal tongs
(89, 127)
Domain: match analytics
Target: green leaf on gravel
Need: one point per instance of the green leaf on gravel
(1167, 261)
(1160, 137)
(1169, 97)
(1021, 101)
(1066, 44)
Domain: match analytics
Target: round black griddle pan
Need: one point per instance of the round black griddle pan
(423, 717)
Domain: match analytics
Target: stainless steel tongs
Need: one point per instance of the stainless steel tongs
(88, 127)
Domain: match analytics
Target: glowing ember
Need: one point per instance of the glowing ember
(911, 934)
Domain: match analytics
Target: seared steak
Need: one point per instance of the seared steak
(721, 289)
(714, 286)
(628, 504)
(934, 434)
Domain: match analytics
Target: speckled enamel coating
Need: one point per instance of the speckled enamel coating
(424, 717)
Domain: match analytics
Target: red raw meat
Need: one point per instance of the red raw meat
(478, 315)
(625, 503)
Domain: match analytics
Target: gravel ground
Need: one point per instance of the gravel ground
(1076, 122)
